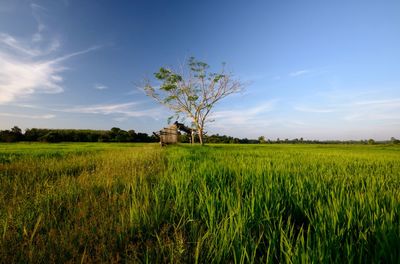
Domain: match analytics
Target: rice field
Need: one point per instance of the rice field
(139, 203)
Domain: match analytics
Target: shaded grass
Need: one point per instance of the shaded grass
(188, 204)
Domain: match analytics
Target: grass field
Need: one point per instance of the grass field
(182, 204)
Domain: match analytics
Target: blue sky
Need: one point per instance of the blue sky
(315, 69)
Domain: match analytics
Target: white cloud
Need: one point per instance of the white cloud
(46, 116)
(119, 111)
(13, 45)
(359, 110)
(105, 109)
(25, 72)
(99, 86)
(299, 73)
(370, 110)
(20, 78)
(122, 110)
(26, 65)
(387, 103)
(74, 54)
(36, 9)
(244, 117)
(314, 110)
(135, 91)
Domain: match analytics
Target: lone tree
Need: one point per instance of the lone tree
(193, 91)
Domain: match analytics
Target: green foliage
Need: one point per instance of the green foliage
(198, 66)
(13, 135)
(192, 92)
(393, 140)
(74, 135)
(273, 203)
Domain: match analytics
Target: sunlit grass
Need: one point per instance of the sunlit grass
(184, 204)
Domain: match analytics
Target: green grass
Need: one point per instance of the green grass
(189, 204)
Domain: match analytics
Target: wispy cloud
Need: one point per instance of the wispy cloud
(136, 91)
(100, 86)
(381, 109)
(46, 116)
(25, 70)
(21, 77)
(12, 45)
(299, 73)
(74, 54)
(395, 102)
(359, 110)
(314, 110)
(36, 9)
(121, 110)
(244, 116)
(105, 109)
(255, 121)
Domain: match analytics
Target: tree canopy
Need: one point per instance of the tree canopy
(193, 91)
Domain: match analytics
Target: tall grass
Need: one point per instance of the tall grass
(183, 204)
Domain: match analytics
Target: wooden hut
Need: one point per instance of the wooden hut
(169, 135)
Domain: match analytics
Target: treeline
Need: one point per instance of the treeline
(229, 140)
(370, 141)
(116, 134)
(262, 140)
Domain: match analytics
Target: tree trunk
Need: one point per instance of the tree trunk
(200, 131)
(192, 137)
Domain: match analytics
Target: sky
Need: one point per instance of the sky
(313, 69)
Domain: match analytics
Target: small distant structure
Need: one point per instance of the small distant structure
(170, 135)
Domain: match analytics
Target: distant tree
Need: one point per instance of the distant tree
(51, 137)
(393, 140)
(104, 137)
(7, 136)
(34, 133)
(122, 136)
(184, 138)
(16, 130)
(371, 141)
(132, 135)
(143, 137)
(235, 141)
(192, 91)
(114, 131)
(261, 140)
(13, 135)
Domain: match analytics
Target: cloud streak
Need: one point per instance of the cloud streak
(360, 110)
(299, 73)
(24, 68)
(314, 110)
(121, 110)
(99, 86)
(36, 9)
(243, 117)
(22, 76)
(46, 116)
